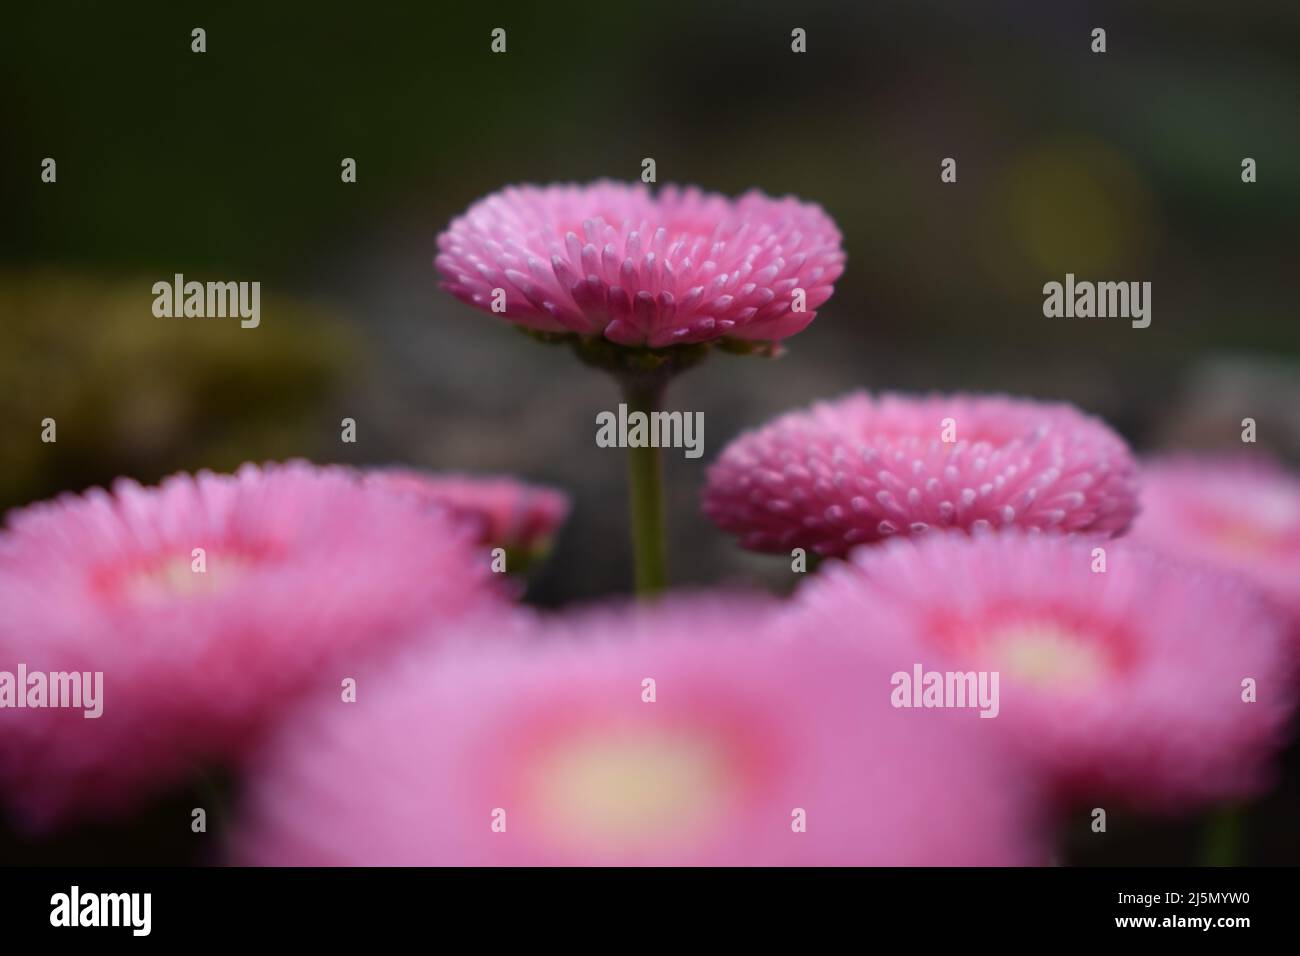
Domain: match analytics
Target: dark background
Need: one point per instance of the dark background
(225, 166)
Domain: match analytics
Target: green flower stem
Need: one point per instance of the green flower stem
(1221, 842)
(643, 374)
(646, 490)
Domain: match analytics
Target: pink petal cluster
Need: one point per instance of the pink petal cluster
(544, 749)
(502, 511)
(611, 259)
(1235, 513)
(1119, 683)
(863, 468)
(305, 573)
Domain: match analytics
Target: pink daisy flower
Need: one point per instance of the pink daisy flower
(1233, 513)
(863, 468)
(611, 259)
(304, 572)
(1124, 683)
(545, 750)
(502, 511)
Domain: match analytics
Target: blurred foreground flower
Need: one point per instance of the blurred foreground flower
(675, 734)
(303, 573)
(863, 468)
(1234, 513)
(502, 512)
(642, 285)
(1127, 682)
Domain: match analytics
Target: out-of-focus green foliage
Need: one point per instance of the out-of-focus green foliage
(134, 394)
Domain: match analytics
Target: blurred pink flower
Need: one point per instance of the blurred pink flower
(502, 511)
(611, 259)
(1233, 513)
(549, 736)
(307, 573)
(863, 468)
(1125, 683)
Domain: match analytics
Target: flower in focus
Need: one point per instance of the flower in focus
(1229, 512)
(676, 733)
(641, 285)
(502, 511)
(863, 468)
(303, 573)
(1126, 682)
(611, 259)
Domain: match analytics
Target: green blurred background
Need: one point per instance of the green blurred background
(225, 165)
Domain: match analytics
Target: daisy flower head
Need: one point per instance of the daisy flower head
(613, 261)
(1121, 674)
(675, 734)
(643, 285)
(1235, 513)
(502, 511)
(864, 468)
(206, 604)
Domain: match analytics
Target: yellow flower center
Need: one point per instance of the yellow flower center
(1246, 539)
(1047, 654)
(633, 789)
(1272, 524)
(178, 577)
